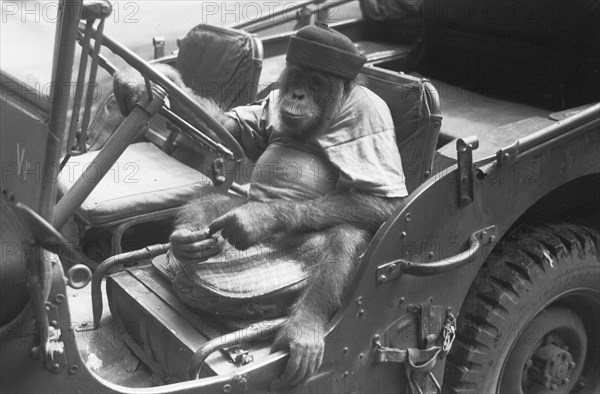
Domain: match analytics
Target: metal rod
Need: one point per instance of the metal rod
(91, 88)
(64, 161)
(260, 26)
(221, 149)
(267, 21)
(101, 271)
(64, 55)
(275, 14)
(106, 65)
(71, 146)
(115, 146)
(547, 133)
(102, 61)
(39, 282)
(35, 285)
(535, 139)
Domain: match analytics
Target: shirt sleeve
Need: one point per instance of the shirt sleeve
(253, 121)
(362, 145)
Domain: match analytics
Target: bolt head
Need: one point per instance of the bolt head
(529, 363)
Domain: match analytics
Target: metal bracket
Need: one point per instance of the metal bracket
(238, 356)
(159, 46)
(430, 323)
(386, 272)
(55, 359)
(219, 170)
(506, 155)
(85, 326)
(466, 174)
(419, 363)
(252, 333)
(102, 270)
(415, 360)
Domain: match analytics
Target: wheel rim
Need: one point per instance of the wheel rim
(555, 353)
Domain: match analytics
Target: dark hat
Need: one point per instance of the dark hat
(324, 49)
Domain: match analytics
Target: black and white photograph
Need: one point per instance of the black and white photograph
(303, 196)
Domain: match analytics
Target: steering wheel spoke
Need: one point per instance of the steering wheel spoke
(198, 135)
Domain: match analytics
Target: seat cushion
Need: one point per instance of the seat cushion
(416, 135)
(143, 180)
(221, 63)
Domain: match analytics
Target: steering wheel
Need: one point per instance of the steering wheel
(229, 150)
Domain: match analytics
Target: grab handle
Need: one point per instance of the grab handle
(395, 268)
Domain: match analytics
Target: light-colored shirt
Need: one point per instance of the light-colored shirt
(356, 151)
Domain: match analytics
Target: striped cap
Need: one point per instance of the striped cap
(323, 49)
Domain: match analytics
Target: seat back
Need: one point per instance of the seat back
(415, 107)
(221, 63)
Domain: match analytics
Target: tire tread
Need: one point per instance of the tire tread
(515, 265)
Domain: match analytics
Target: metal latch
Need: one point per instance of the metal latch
(466, 173)
(52, 351)
(415, 361)
(238, 356)
(420, 360)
